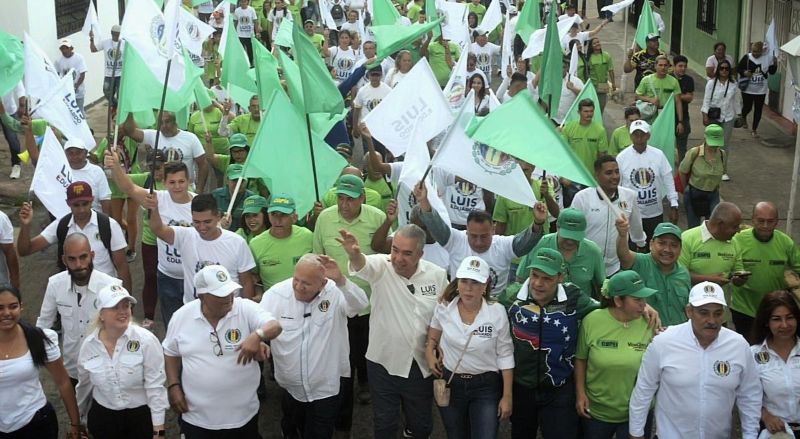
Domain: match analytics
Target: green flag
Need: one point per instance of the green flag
(315, 77)
(552, 68)
(431, 14)
(284, 35)
(201, 95)
(280, 154)
(384, 13)
(662, 133)
(392, 38)
(519, 128)
(293, 83)
(528, 20)
(588, 92)
(235, 65)
(647, 25)
(266, 68)
(12, 64)
(196, 3)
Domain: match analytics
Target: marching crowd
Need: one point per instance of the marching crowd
(590, 314)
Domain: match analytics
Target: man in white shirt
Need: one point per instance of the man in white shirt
(484, 53)
(600, 218)
(312, 353)
(82, 170)
(367, 98)
(646, 170)
(112, 55)
(72, 294)
(73, 61)
(405, 290)
(209, 351)
(697, 371)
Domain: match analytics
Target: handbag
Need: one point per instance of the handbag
(715, 113)
(647, 110)
(441, 391)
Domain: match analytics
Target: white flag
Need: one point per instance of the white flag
(416, 161)
(416, 98)
(573, 61)
(90, 23)
(493, 101)
(41, 76)
(507, 52)
(481, 164)
(52, 176)
(193, 32)
(771, 40)
(144, 27)
(455, 22)
(537, 39)
(172, 25)
(455, 89)
(617, 6)
(60, 109)
(327, 18)
(492, 17)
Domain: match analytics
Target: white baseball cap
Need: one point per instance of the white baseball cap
(110, 295)
(640, 125)
(65, 42)
(473, 268)
(705, 293)
(75, 143)
(215, 280)
(115, 28)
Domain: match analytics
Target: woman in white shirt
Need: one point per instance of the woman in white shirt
(722, 93)
(24, 410)
(403, 64)
(121, 373)
(478, 84)
(342, 57)
(777, 358)
(469, 344)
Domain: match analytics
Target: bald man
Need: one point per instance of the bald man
(763, 254)
(707, 250)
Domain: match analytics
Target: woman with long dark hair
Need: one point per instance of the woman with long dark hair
(477, 84)
(600, 71)
(722, 103)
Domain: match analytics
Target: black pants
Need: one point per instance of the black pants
(44, 425)
(756, 103)
(649, 226)
(246, 431)
(132, 423)
(309, 420)
(743, 324)
(358, 331)
(248, 47)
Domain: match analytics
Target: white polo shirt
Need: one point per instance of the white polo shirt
(499, 257)
(94, 175)
(132, 377)
(102, 260)
(314, 335)
(490, 349)
(398, 323)
(780, 380)
(61, 296)
(220, 393)
(696, 388)
(650, 175)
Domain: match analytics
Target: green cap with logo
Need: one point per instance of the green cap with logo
(281, 203)
(350, 185)
(235, 172)
(715, 136)
(238, 140)
(547, 260)
(667, 229)
(628, 283)
(571, 224)
(254, 204)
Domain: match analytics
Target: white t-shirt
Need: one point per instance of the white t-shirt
(485, 54)
(498, 257)
(758, 81)
(394, 77)
(96, 178)
(78, 64)
(110, 53)
(184, 146)
(650, 175)
(368, 97)
(229, 250)
(6, 237)
(102, 260)
(176, 215)
(555, 182)
(712, 62)
(343, 61)
(351, 27)
(276, 17)
(11, 99)
(245, 21)
(583, 37)
(578, 19)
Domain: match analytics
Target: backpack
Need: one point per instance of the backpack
(103, 223)
(337, 12)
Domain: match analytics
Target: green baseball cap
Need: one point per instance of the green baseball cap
(235, 172)
(571, 224)
(715, 136)
(238, 140)
(547, 260)
(254, 204)
(281, 203)
(628, 283)
(667, 229)
(350, 185)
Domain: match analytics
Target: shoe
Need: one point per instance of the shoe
(131, 255)
(726, 177)
(148, 324)
(754, 134)
(15, 171)
(363, 396)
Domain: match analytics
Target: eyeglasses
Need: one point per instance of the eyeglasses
(217, 346)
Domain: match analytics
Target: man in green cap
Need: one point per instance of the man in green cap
(222, 195)
(278, 249)
(659, 269)
(583, 259)
(372, 197)
(246, 123)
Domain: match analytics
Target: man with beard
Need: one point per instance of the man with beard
(72, 294)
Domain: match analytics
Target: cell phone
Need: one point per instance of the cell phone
(742, 273)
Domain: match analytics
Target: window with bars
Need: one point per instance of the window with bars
(70, 15)
(707, 15)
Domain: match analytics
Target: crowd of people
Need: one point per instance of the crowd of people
(589, 314)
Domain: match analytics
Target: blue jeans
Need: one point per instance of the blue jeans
(551, 409)
(596, 429)
(170, 296)
(692, 218)
(391, 393)
(472, 413)
(13, 143)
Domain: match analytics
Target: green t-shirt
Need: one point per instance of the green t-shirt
(131, 152)
(148, 237)
(241, 231)
(620, 139)
(373, 199)
(767, 261)
(318, 41)
(210, 56)
(479, 10)
(381, 186)
(586, 269)
(245, 124)
(663, 88)
(613, 354)
(586, 140)
(599, 66)
(517, 217)
(672, 288)
(710, 257)
(276, 258)
(213, 118)
(438, 62)
(704, 174)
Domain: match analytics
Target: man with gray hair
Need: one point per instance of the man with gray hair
(312, 354)
(405, 290)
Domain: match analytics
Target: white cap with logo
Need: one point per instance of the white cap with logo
(65, 42)
(214, 280)
(110, 295)
(639, 125)
(473, 268)
(705, 293)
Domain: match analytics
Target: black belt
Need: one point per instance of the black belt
(471, 376)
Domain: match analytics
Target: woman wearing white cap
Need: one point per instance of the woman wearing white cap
(469, 344)
(121, 373)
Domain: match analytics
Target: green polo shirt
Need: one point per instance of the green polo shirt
(438, 62)
(672, 288)
(705, 175)
(276, 258)
(767, 261)
(662, 88)
(586, 140)
(373, 199)
(702, 254)
(517, 217)
(587, 268)
(213, 117)
(381, 186)
(620, 139)
(599, 66)
(318, 41)
(245, 124)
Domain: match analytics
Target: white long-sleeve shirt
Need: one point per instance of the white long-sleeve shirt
(650, 175)
(780, 380)
(696, 388)
(600, 219)
(314, 340)
(725, 96)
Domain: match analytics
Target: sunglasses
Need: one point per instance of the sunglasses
(724, 68)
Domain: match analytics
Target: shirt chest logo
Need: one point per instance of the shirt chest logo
(762, 357)
(722, 368)
(324, 305)
(233, 335)
(608, 344)
(484, 331)
(133, 346)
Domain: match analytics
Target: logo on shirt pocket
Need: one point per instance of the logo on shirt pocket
(722, 368)
(324, 305)
(133, 346)
(233, 336)
(762, 357)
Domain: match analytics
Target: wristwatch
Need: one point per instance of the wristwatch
(260, 333)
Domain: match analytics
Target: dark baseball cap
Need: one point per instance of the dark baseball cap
(79, 191)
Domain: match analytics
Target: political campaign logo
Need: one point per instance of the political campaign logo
(484, 331)
(492, 160)
(456, 93)
(324, 305)
(133, 346)
(465, 188)
(159, 38)
(221, 276)
(722, 368)
(416, 111)
(173, 154)
(191, 30)
(642, 178)
(72, 105)
(233, 335)
(762, 357)
(372, 103)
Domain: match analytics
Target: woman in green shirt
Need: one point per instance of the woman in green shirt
(701, 173)
(601, 71)
(254, 217)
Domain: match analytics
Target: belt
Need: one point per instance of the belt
(471, 376)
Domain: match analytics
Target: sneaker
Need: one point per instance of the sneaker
(131, 255)
(726, 177)
(15, 171)
(148, 324)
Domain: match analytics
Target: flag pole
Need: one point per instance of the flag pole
(624, 52)
(158, 123)
(233, 196)
(114, 89)
(313, 161)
